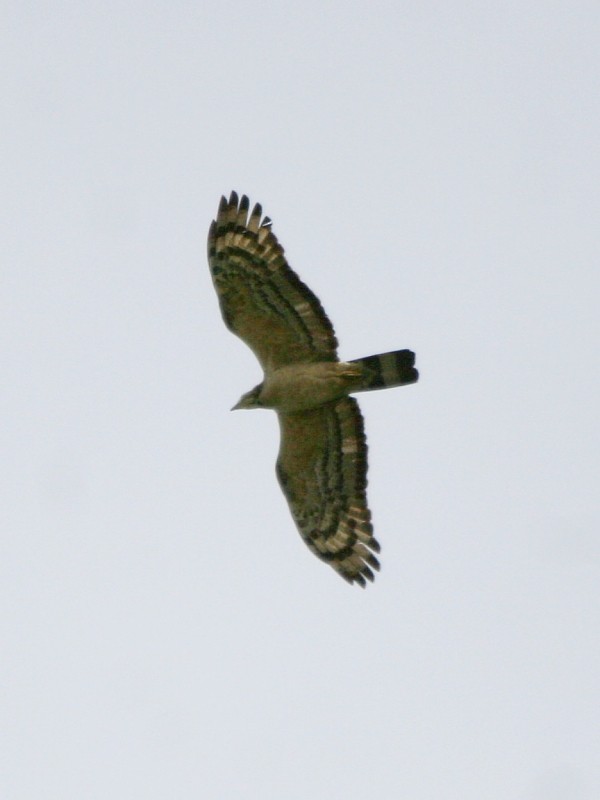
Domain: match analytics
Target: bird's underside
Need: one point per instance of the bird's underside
(322, 461)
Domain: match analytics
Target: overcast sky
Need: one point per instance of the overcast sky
(433, 171)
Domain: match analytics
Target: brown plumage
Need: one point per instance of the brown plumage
(322, 462)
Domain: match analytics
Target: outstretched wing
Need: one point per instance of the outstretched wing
(322, 468)
(262, 299)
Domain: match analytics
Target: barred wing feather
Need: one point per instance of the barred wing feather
(262, 299)
(322, 468)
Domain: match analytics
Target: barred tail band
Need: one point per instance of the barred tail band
(396, 368)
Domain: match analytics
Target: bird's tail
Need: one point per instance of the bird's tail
(387, 369)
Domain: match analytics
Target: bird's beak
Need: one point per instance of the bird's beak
(237, 406)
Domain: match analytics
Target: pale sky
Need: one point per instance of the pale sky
(433, 171)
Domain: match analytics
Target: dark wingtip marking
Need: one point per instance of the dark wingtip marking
(267, 222)
(368, 573)
(373, 562)
(233, 199)
(244, 203)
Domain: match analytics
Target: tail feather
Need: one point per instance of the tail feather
(396, 368)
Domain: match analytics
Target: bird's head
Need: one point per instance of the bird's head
(250, 400)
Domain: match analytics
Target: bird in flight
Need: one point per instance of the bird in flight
(322, 461)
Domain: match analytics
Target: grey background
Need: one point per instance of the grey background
(432, 170)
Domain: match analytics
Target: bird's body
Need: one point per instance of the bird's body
(322, 460)
(300, 387)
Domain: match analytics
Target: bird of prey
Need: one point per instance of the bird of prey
(322, 461)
